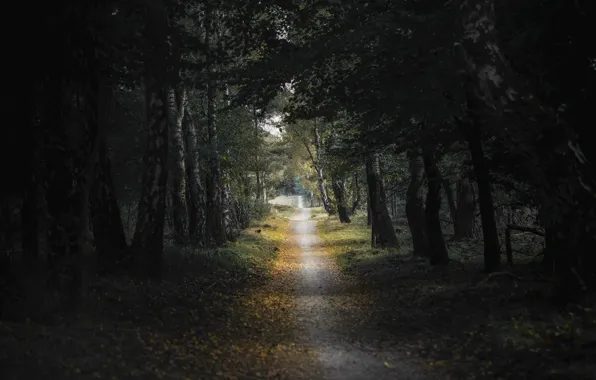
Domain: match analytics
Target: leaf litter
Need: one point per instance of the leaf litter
(227, 324)
(459, 322)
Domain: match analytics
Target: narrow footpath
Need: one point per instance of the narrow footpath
(329, 315)
(306, 321)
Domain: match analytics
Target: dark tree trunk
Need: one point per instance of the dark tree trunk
(196, 191)
(383, 234)
(108, 231)
(368, 210)
(450, 199)
(323, 191)
(257, 160)
(368, 207)
(464, 216)
(231, 223)
(355, 194)
(319, 169)
(215, 229)
(147, 242)
(550, 151)
(33, 211)
(492, 251)
(575, 268)
(339, 190)
(176, 109)
(415, 205)
(68, 158)
(500, 217)
(438, 251)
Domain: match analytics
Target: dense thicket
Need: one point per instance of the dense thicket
(136, 124)
(487, 104)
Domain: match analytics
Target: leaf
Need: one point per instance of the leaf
(438, 363)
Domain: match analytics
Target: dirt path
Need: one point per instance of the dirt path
(330, 315)
(305, 322)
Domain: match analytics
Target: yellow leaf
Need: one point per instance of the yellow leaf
(438, 363)
(387, 365)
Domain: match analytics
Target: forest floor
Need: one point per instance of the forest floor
(459, 321)
(333, 316)
(215, 315)
(300, 296)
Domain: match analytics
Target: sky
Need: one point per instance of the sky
(271, 125)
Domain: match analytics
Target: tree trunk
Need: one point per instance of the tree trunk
(490, 94)
(147, 243)
(256, 147)
(549, 150)
(33, 210)
(438, 251)
(176, 109)
(355, 194)
(106, 220)
(216, 234)
(230, 216)
(30, 221)
(368, 207)
(319, 170)
(466, 206)
(492, 252)
(339, 190)
(567, 251)
(323, 191)
(68, 154)
(450, 198)
(415, 206)
(383, 234)
(196, 192)
(500, 216)
(108, 231)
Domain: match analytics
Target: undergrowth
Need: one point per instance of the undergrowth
(177, 327)
(250, 255)
(283, 211)
(465, 324)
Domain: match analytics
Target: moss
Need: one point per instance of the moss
(350, 245)
(282, 211)
(252, 254)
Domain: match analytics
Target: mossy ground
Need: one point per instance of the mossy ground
(464, 324)
(230, 314)
(214, 315)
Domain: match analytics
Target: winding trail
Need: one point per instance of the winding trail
(327, 308)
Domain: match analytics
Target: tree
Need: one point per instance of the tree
(339, 190)
(176, 108)
(466, 205)
(415, 205)
(196, 192)
(216, 234)
(108, 231)
(383, 234)
(438, 251)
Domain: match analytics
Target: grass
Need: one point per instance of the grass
(251, 254)
(350, 245)
(169, 329)
(461, 322)
(281, 211)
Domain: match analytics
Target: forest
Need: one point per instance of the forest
(224, 189)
